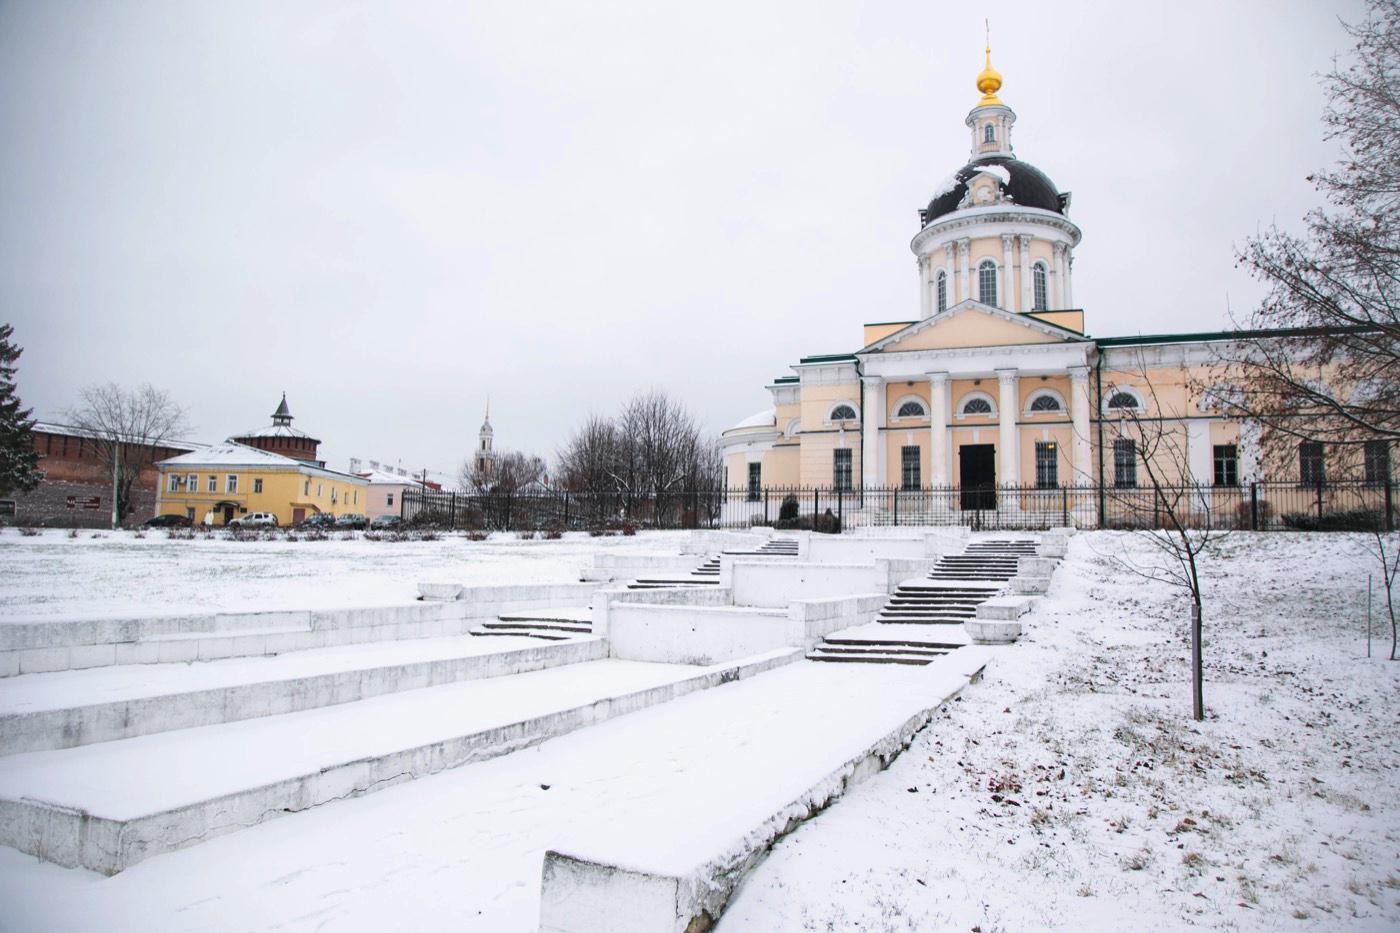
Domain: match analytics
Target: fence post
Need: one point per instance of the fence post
(896, 507)
(452, 522)
(765, 506)
(566, 510)
(1064, 505)
(841, 507)
(816, 506)
(1389, 507)
(1253, 506)
(1319, 502)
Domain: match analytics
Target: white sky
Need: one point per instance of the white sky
(391, 210)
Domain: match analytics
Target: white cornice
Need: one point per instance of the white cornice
(996, 218)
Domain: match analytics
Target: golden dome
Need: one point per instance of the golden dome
(989, 82)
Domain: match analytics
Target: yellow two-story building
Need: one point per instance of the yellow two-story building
(219, 483)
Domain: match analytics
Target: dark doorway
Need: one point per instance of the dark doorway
(977, 475)
(228, 514)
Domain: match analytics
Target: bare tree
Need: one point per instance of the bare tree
(1319, 358)
(1386, 549)
(130, 429)
(1152, 487)
(510, 474)
(653, 451)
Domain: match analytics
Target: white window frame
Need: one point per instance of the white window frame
(793, 426)
(257, 484)
(962, 403)
(173, 484)
(996, 274)
(904, 400)
(213, 482)
(831, 409)
(1129, 390)
(940, 290)
(192, 483)
(231, 484)
(1040, 286)
(1042, 393)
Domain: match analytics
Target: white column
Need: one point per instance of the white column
(1010, 438)
(869, 451)
(964, 286)
(1059, 275)
(1027, 299)
(1081, 449)
(950, 266)
(925, 283)
(938, 452)
(1007, 280)
(1069, 278)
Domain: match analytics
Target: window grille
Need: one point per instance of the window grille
(1125, 463)
(1311, 470)
(909, 477)
(841, 468)
(1047, 475)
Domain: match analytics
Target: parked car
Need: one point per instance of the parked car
(168, 521)
(386, 523)
(254, 520)
(318, 520)
(352, 520)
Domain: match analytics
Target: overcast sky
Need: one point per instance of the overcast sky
(390, 210)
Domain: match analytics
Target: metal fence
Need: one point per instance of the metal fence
(1261, 506)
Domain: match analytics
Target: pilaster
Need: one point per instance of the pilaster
(1081, 449)
(939, 458)
(1009, 435)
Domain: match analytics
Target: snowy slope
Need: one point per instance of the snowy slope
(1071, 790)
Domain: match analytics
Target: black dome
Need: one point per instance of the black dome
(1030, 187)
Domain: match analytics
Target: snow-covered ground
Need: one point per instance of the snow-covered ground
(113, 574)
(1070, 790)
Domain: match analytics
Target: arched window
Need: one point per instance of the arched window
(1039, 280)
(842, 413)
(910, 409)
(942, 281)
(987, 282)
(792, 427)
(989, 134)
(1123, 400)
(1045, 402)
(977, 406)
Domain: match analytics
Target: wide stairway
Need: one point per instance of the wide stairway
(950, 594)
(707, 574)
(548, 624)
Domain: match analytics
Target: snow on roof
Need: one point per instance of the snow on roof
(766, 418)
(277, 430)
(377, 477)
(1000, 171)
(230, 453)
(53, 427)
(946, 185)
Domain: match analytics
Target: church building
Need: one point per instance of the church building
(996, 383)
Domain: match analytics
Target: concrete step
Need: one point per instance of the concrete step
(818, 654)
(68, 709)
(878, 642)
(106, 807)
(522, 631)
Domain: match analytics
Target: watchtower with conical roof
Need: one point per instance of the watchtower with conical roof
(281, 438)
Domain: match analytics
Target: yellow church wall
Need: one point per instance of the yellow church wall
(1074, 320)
(815, 464)
(874, 332)
(970, 329)
(782, 465)
(818, 399)
(983, 248)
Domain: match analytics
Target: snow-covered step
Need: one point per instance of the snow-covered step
(110, 805)
(550, 624)
(66, 709)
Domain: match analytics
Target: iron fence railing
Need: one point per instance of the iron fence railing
(1258, 506)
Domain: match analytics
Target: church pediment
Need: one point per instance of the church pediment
(972, 324)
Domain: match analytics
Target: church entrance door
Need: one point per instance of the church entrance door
(977, 475)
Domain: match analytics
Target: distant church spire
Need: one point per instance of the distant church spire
(485, 456)
(283, 414)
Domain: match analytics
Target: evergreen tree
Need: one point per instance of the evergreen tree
(19, 461)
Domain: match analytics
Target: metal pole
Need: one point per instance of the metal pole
(1253, 506)
(116, 462)
(1389, 507)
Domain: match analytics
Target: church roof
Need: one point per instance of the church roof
(1024, 184)
(277, 430)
